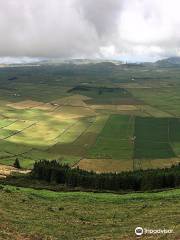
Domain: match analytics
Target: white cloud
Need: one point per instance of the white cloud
(89, 28)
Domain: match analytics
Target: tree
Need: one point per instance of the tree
(17, 163)
(100, 91)
(53, 171)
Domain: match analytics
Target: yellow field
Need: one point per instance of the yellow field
(105, 165)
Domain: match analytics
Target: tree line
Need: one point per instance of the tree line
(140, 180)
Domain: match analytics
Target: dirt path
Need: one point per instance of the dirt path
(8, 170)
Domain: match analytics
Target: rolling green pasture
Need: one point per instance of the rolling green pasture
(42, 214)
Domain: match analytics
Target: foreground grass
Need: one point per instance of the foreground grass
(43, 214)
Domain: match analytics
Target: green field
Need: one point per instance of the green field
(114, 141)
(42, 214)
(155, 137)
(166, 99)
(152, 139)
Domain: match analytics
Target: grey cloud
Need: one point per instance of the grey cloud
(102, 14)
(43, 28)
(89, 28)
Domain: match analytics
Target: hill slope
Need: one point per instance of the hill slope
(168, 62)
(40, 214)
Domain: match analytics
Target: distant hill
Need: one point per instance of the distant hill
(57, 62)
(79, 61)
(168, 62)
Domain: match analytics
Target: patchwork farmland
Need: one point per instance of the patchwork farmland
(100, 142)
(110, 126)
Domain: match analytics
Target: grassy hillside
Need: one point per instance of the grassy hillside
(40, 214)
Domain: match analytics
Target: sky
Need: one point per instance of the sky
(128, 30)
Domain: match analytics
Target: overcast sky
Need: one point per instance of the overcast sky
(118, 29)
